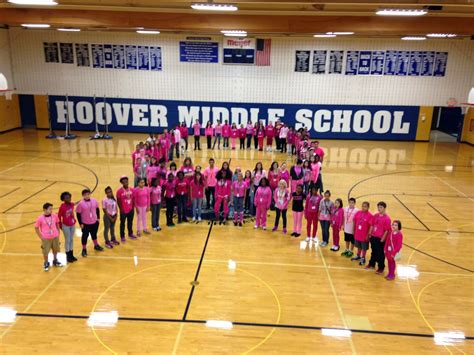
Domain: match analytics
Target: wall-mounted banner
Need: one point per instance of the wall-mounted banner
(364, 62)
(131, 55)
(239, 50)
(82, 55)
(391, 63)
(427, 63)
(97, 55)
(322, 121)
(198, 52)
(143, 58)
(302, 61)
(403, 62)
(415, 63)
(377, 63)
(155, 58)
(108, 56)
(119, 56)
(51, 52)
(319, 62)
(441, 60)
(67, 53)
(335, 62)
(352, 62)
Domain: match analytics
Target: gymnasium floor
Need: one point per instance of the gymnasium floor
(279, 297)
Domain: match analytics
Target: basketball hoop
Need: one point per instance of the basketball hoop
(452, 102)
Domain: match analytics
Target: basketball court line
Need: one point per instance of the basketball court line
(410, 194)
(30, 196)
(442, 215)
(411, 212)
(12, 191)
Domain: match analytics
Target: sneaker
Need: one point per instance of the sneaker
(123, 240)
(240, 224)
(57, 263)
(323, 244)
(46, 266)
(389, 278)
(98, 248)
(349, 254)
(293, 234)
(264, 228)
(199, 219)
(284, 230)
(334, 248)
(345, 252)
(235, 223)
(308, 239)
(109, 245)
(146, 231)
(132, 236)
(158, 228)
(315, 241)
(379, 272)
(194, 219)
(114, 242)
(297, 235)
(84, 253)
(355, 258)
(255, 227)
(274, 229)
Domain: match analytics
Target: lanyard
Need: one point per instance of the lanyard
(50, 224)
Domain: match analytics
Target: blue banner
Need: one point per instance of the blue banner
(335, 62)
(67, 53)
(322, 121)
(97, 55)
(319, 62)
(427, 63)
(82, 55)
(198, 52)
(364, 62)
(441, 60)
(108, 56)
(403, 63)
(391, 63)
(155, 58)
(352, 62)
(377, 63)
(143, 58)
(415, 63)
(131, 57)
(119, 56)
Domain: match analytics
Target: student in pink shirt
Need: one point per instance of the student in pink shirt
(380, 227)
(226, 130)
(283, 136)
(187, 169)
(239, 189)
(197, 135)
(165, 144)
(47, 230)
(297, 207)
(307, 176)
(393, 245)
(141, 198)
(361, 232)
(290, 140)
(67, 222)
(349, 214)
(126, 206)
(182, 196)
(282, 198)
(261, 136)
(210, 175)
(109, 207)
(197, 195)
(337, 223)
(169, 191)
(269, 133)
(217, 135)
(88, 215)
(326, 208)
(318, 150)
(262, 201)
(155, 205)
(184, 134)
(234, 134)
(152, 170)
(135, 154)
(296, 175)
(284, 173)
(209, 132)
(311, 213)
(274, 176)
(223, 194)
(242, 134)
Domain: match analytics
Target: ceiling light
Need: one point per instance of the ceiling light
(35, 25)
(148, 32)
(69, 29)
(401, 12)
(214, 7)
(340, 33)
(325, 35)
(221, 324)
(33, 2)
(414, 38)
(234, 32)
(441, 35)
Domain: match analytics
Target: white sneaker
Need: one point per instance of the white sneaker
(315, 241)
(264, 228)
(255, 227)
(194, 219)
(199, 219)
(308, 239)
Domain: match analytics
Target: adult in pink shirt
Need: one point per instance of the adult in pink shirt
(141, 198)
(184, 134)
(126, 206)
(210, 175)
(362, 221)
(380, 227)
(282, 198)
(197, 135)
(209, 132)
(88, 215)
(393, 245)
(262, 201)
(269, 133)
(67, 222)
(226, 130)
(47, 230)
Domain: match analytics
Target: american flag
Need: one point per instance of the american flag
(262, 57)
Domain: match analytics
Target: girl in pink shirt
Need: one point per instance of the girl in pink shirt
(393, 245)
(217, 135)
(169, 190)
(307, 175)
(311, 213)
(234, 134)
(197, 135)
(326, 208)
(182, 196)
(239, 189)
(269, 133)
(284, 173)
(209, 132)
(67, 223)
(249, 182)
(173, 170)
(262, 201)
(155, 204)
(242, 133)
(274, 176)
(188, 170)
(297, 175)
(281, 197)
(197, 195)
(109, 207)
(152, 170)
(226, 134)
(337, 223)
(260, 136)
(165, 144)
(141, 197)
(362, 221)
(223, 192)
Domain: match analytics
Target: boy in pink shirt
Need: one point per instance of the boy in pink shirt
(361, 232)
(141, 198)
(349, 214)
(318, 150)
(47, 230)
(126, 206)
(182, 194)
(210, 176)
(197, 135)
(393, 245)
(262, 202)
(88, 215)
(380, 227)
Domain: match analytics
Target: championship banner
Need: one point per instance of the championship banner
(322, 121)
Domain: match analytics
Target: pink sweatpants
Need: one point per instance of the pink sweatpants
(312, 221)
(233, 141)
(391, 265)
(335, 235)
(141, 219)
(217, 207)
(261, 216)
(297, 222)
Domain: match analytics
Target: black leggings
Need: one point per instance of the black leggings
(255, 142)
(378, 255)
(197, 142)
(283, 216)
(170, 203)
(89, 229)
(209, 142)
(242, 143)
(129, 217)
(210, 192)
(249, 141)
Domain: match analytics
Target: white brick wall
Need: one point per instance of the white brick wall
(216, 82)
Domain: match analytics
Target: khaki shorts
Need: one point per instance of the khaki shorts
(48, 244)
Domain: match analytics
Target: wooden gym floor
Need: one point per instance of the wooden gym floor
(279, 297)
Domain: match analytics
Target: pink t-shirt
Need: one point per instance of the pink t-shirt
(319, 151)
(239, 188)
(197, 190)
(226, 130)
(380, 224)
(141, 196)
(209, 131)
(234, 132)
(210, 175)
(110, 205)
(66, 214)
(197, 129)
(125, 199)
(170, 189)
(47, 226)
(393, 243)
(88, 211)
(270, 131)
(181, 187)
(362, 225)
(349, 214)
(218, 129)
(155, 195)
(337, 219)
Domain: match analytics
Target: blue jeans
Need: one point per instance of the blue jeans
(252, 206)
(182, 200)
(238, 204)
(197, 207)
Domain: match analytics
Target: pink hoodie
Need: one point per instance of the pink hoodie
(312, 204)
(393, 242)
(337, 218)
(223, 188)
(263, 197)
(141, 197)
(281, 200)
(226, 130)
(209, 131)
